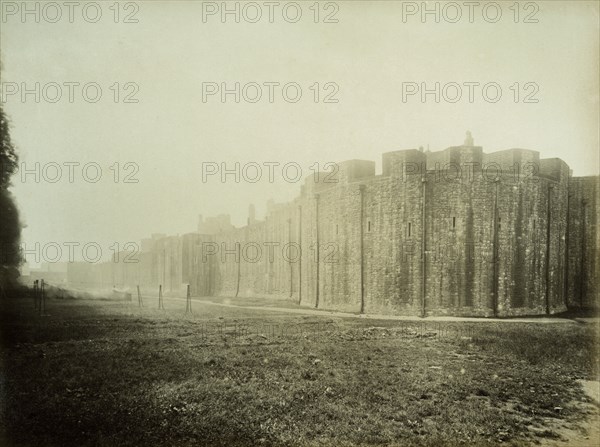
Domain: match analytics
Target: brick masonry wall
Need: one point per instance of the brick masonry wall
(583, 242)
(456, 232)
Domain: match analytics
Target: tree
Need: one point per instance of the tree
(10, 226)
(8, 155)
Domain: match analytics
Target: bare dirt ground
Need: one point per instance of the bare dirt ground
(104, 373)
(275, 306)
(586, 433)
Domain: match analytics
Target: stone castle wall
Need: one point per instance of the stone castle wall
(455, 232)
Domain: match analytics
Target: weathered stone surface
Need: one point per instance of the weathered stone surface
(455, 232)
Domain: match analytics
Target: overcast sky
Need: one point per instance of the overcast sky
(164, 59)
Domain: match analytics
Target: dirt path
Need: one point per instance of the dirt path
(330, 313)
(586, 433)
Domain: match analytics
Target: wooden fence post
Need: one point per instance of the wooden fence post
(188, 301)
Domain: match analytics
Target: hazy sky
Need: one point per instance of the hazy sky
(368, 54)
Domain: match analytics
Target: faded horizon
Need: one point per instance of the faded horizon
(166, 59)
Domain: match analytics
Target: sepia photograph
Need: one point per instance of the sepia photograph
(311, 223)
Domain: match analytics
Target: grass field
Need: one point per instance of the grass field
(104, 373)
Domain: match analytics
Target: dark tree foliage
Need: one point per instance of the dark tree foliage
(10, 227)
(8, 156)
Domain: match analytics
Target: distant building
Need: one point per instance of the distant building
(51, 272)
(214, 225)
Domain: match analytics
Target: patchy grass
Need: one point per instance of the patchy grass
(108, 373)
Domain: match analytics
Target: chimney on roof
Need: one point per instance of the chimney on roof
(251, 214)
(469, 139)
